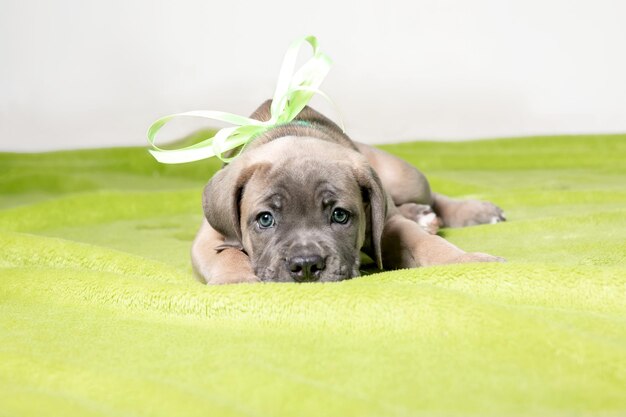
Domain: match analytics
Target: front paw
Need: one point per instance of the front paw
(478, 257)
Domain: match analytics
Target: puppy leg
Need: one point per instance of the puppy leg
(460, 213)
(402, 181)
(406, 245)
(421, 214)
(219, 266)
(405, 184)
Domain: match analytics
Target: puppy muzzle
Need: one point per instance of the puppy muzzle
(306, 267)
(310, 260)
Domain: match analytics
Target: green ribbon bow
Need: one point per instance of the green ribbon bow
(293, 92)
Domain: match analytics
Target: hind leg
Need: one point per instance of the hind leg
(461, 213)
(408, 188)
(411, 193)
(402, 181)
(423, 215)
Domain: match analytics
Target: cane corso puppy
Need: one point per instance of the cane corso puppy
(303, 200)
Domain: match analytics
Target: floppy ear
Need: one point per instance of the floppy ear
(222, 196)
(373, 193)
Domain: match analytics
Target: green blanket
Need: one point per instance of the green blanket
(100, 315)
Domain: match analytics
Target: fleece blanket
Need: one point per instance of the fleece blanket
(100, 314)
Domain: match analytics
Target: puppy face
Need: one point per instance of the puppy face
(303, 220)
(302, 209)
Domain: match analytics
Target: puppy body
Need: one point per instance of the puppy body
(302, 201)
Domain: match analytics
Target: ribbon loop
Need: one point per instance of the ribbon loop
(294, 90)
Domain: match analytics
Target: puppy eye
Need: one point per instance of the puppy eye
(265, 220)
(340, 216)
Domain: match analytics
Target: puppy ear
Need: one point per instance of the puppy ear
(374, 195)
(222, 196)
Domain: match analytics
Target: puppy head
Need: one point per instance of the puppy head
(302, 209)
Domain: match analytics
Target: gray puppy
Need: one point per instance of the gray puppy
(303, 200)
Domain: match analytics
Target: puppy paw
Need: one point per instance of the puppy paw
(478, 257)
(471, 213)
(421, 214)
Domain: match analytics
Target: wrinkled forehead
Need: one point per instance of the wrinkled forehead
(307, 181)
(303, 165)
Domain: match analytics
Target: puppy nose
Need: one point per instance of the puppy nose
(306, 268)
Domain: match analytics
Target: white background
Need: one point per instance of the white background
(84, 73)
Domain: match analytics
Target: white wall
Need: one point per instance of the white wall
(77, 73)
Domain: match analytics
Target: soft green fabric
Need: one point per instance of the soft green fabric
(100, 315)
